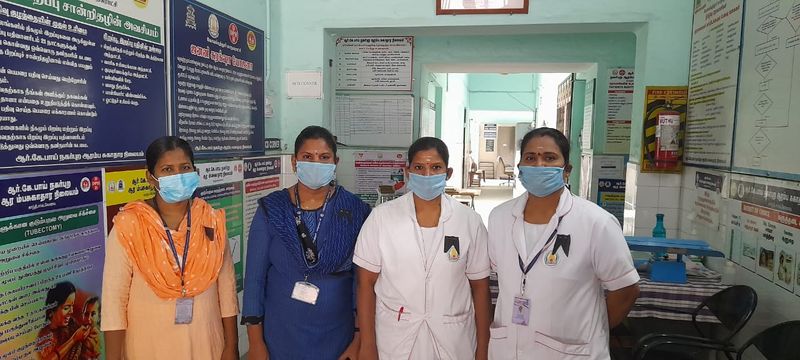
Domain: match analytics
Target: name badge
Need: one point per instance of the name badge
(183, 310)
(521, 313)
(306, 292)
(451, 248)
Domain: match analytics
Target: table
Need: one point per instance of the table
(472, 193)
(682, 297)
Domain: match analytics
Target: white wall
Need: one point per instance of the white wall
(454, 101)
(548, 96)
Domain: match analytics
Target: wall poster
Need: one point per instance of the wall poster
(713, 75)
(51, 259)
(75, 74)
(620, 110)
(217, 81)
(375, 168)
(221, 187)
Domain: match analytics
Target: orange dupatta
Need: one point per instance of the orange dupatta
(141, 233)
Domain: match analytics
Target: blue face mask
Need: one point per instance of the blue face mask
(178, 187)
(541, 181)
(315, 175)
(427, 187)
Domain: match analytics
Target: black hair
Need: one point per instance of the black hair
(159, 146)
(314, 132)
(561, 141)
(90, 301)
(57, 296)
(427, 143)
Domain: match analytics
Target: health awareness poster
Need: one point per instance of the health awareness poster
(74, 75)
(221, 186)
(217, 81)
(51, 260)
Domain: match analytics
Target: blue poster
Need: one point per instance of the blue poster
(217, 81)
(80, 82)
(611, 197)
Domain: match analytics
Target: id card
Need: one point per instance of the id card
(183, 310)
(521, 313)
(305, 292)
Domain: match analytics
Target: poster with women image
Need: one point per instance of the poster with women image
(72, 328)
(51, 257)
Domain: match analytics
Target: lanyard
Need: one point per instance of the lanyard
(181, 265)
(310, 253)
(526, 269)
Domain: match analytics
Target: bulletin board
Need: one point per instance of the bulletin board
(374, 120)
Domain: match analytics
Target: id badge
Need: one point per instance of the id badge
(521, 313)
(183, 310)
(305, 292)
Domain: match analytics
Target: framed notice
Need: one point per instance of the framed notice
(465, 7)
(374, 63)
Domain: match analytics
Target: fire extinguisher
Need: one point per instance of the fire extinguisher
(668, 127)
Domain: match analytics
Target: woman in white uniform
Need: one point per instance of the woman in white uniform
(565, 273)
(423, 287)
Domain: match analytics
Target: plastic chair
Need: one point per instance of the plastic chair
(733, 307)
(779, 342)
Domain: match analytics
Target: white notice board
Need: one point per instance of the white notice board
(374, 63)
(374, 120)
(713, 74)
(769, 90)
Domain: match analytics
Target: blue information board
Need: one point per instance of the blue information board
(217, 81)
(80, 83)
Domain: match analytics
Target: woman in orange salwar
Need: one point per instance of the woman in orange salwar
(168, 284)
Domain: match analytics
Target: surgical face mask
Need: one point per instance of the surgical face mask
(178, 187)
(315, 175)
(541, 180)
(427, 187)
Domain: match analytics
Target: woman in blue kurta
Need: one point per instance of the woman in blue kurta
(298, 290)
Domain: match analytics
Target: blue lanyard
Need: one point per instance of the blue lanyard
(298, 212)
(526, 269)
(181, 265)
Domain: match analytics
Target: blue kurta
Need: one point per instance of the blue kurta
(293, 329)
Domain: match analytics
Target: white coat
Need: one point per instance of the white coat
(436, 300)
(568, 316)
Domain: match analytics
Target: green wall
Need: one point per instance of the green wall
(553, 31)
(511, 92)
